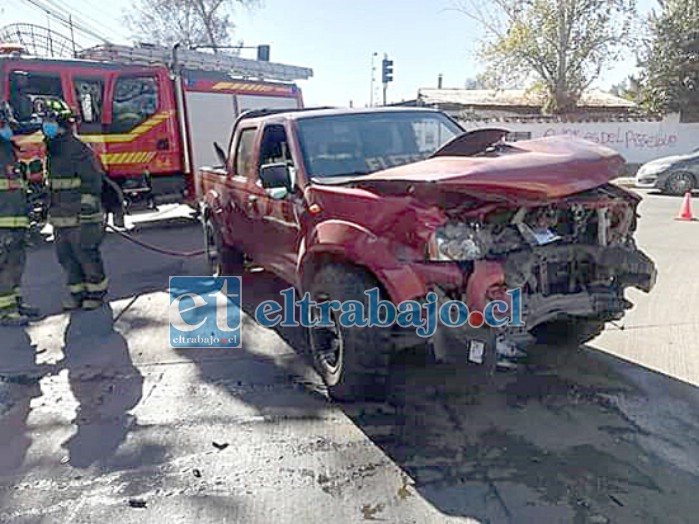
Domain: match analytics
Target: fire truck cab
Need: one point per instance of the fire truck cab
(151, 114)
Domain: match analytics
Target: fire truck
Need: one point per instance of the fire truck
(151, 113)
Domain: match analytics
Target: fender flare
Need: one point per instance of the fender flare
(345, 242)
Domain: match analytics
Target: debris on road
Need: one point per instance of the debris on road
(220, 447)
(137, 503)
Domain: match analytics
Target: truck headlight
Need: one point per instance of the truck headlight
(456, 242)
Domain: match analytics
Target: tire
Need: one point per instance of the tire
(568, 332)
(221, 259)
(680, 183)
(353, 362)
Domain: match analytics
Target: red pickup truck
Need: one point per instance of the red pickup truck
(404, 200)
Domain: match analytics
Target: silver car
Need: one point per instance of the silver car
(674, 175)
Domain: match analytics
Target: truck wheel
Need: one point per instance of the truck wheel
(353, 362)
(679, 183)
(221, 259)
(568, 332)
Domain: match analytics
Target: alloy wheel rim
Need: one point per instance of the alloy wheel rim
(327, 343)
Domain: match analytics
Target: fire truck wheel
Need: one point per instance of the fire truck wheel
(221, 259)
(352, 361)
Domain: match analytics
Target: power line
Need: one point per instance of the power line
(65, 21)
(81, 19)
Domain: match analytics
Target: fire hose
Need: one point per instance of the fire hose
(153, 248)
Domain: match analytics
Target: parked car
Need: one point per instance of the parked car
(674, 175)
(339, 201)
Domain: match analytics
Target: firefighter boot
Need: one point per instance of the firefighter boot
(25, 309)
(13, 319)
(72, 303)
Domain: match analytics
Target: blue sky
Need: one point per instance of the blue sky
(337, 39)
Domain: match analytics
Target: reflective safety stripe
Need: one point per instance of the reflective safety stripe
(92, 218)
(8, 301)
(89, 200)
(11, 185)
(13, 222)
(76, 289)
(64, 221)
(97, 288)
(62, 184)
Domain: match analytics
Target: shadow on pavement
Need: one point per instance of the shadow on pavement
(264, 373)
(132, 270)
(579, 437)
(105, 384)
(19, 385)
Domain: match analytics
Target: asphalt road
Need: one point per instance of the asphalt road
(100, 421)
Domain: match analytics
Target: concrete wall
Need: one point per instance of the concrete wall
(638, 142)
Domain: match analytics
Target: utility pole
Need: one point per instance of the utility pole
(373, 79)
(72, 36)
(386, 74)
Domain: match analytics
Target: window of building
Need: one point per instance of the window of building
(135, 100)
(243, 154)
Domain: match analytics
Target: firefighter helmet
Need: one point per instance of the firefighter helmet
(57, 110)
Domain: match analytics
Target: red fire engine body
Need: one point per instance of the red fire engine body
(151, 114)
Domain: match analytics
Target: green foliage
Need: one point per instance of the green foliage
(563, 44)
(630, 89)
(671, 57)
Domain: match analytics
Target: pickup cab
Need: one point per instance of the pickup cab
(403, 200)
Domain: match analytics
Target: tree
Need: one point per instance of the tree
(670, 57)
(192, 22)
(630, 89)
(558, 46)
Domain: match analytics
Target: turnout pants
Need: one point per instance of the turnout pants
(78, 251)
(12, 260)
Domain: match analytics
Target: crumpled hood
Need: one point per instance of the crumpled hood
(539, 169)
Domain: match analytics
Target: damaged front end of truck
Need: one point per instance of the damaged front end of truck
(538, 216)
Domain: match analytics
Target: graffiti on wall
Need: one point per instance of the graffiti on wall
(620, 138)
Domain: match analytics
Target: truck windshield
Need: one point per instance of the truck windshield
(361, 143)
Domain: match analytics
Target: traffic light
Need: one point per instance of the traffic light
(387, 71)
(263, 53)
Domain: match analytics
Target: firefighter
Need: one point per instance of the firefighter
(75, 179)
(14, 224)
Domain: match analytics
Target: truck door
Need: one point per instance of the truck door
(278, 224)
(240, 196)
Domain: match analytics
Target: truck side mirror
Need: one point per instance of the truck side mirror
(220, 154)
(275, 176)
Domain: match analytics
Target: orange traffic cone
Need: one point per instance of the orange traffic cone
(686, 209)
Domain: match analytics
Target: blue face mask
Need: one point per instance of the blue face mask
(50, 129)
(5, 133)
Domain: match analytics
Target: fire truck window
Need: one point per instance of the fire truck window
(243, 154)
(135, 100)
(89, 94)
(26, 88)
